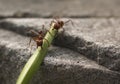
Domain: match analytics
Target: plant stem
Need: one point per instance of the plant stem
(33, 64)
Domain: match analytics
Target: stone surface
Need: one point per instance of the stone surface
(60, 65)
(88, 52)
(97, 41)
(49, 8)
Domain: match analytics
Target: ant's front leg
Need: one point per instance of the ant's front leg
(48, 32)
(47, 41)
(41, 31)
(70, 21)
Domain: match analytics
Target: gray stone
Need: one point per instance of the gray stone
(96, 39)
(60, 65)
(49, 8)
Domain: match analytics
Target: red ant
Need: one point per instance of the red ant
(59, 24)
(38, 38)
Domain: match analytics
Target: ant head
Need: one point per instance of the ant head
(40, 32)
(58, 25)
(39, 43)
(40, 37)
(61, 23)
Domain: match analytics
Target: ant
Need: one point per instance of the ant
(59, 23)
(38, 37)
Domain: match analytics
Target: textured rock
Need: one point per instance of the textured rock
(48, 8)
(60, 65)
(96, 39)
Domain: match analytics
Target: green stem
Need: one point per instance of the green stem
(36, 59)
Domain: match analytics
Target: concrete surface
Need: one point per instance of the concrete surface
(70, 8)
(94, 56)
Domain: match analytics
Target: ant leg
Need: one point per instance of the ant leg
(69, 21)
(52, 22)
(43, 28)
(31, 48)
(47, 41)
(48, 32)
(41, 47)
(34, 32)
(28, 44)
